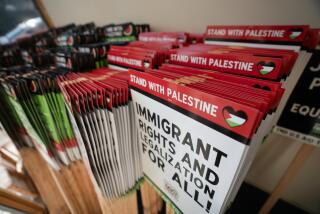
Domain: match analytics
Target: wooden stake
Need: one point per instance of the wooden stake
(64, 190)
(44, 13)
(294, 167)
(151, 201)
(88, 192)
(169, 210)
(145, 198)
(124, 205)
(9, 199)
(40, 172)
(69, 190)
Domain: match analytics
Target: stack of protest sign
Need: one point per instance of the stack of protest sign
(202, 117)
(101, 104)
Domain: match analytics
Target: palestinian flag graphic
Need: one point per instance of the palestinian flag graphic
(266, 67)
(234, 118)
(294, 33)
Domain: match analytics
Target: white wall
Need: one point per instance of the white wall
(186, 15)
(271, 162)
(194, 16)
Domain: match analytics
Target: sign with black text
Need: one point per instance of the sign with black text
(190, 159)
(300, 118)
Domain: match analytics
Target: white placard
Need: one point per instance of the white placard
(191, 163)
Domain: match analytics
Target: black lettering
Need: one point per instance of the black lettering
(152, 156)
(186, 171)
(165, 126)
(186, 159)
(149, 131)
(205, 151)
(197, 167)
(170, 159)
(143, 137)
(152, 118)
(160, 164)
(208, 191)
(177, 166)
(188, 141)
(185, 188)
(144, 147)
(176, 132)
(219, 155)
(141, 111)
(171, 148)
(141, 124)
(196, 197)
(156, 136)
(198, 183)
(176, 178)
(209, 178)
(156, 148)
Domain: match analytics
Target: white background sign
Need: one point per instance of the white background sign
(191, 163)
